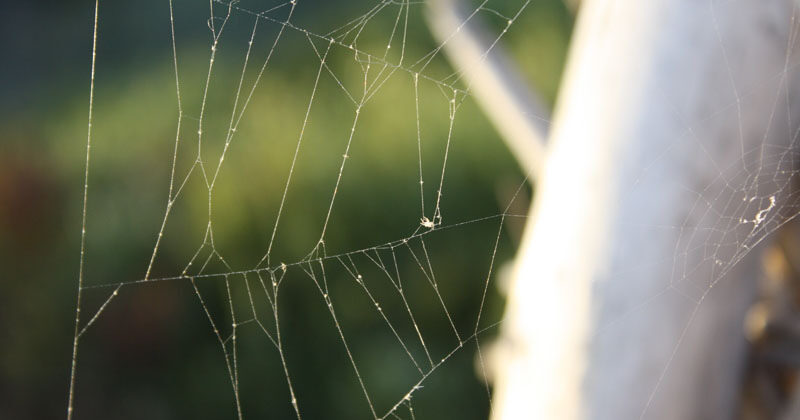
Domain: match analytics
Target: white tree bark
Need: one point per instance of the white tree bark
(517, 114)
(667, 143)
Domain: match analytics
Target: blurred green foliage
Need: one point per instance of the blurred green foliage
(152, 353)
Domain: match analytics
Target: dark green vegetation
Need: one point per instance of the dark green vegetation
(152, 353)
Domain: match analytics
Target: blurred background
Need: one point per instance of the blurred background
(152, 353)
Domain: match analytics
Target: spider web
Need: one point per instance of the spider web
(323, 206)
(230, 154)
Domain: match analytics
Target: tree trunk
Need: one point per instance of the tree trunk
(664, 172)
